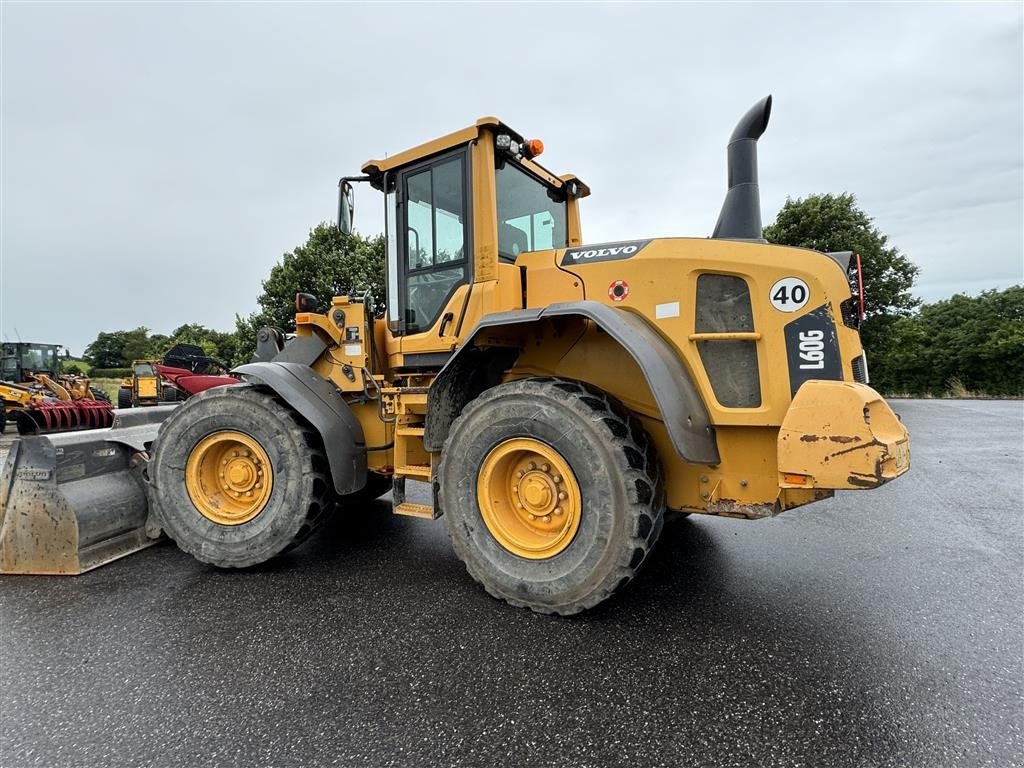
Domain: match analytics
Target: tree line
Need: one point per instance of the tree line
(956, 346)
(118, 349)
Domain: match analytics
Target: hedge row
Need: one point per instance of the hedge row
(110, 373)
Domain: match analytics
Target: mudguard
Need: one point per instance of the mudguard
(319, 403)
(682, 409)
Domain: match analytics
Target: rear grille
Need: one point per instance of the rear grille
(850, 309)
(860, 368)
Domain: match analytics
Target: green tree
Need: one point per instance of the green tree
(137, 345)
(328, 264)
(118, 348)
(976, 342)
(105, 351)
(835, 223)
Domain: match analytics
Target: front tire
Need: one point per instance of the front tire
(124, 397)
(237, 477)
(552, 494)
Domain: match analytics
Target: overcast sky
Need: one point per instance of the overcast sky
(157, 159)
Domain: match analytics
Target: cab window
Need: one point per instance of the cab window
(531, 215)
(435, 227)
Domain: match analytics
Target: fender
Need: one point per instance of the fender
(319, 403)
(680, 404)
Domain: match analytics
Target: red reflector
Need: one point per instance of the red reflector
(860, 285)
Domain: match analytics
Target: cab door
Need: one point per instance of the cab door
(429, 284)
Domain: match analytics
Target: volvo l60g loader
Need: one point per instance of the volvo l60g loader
(557, 396)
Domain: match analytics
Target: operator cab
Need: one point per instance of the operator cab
(459, 211)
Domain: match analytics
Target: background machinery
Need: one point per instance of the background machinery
(557, 397)
(21, 359)
(41, 398)
(184, 371)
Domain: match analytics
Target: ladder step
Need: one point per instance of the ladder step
(424, 511)
(414, 470)
(410, 431)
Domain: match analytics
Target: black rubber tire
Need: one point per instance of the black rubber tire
(376, 486)
(3, 418)
(169, 394)
(300, 496)
(620, 481)
(99, 394)
(124, 397)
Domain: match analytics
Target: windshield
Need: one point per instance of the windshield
(39, 358)
(530, 215)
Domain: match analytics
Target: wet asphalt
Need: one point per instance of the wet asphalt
(880, 628)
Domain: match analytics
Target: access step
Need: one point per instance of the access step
(424, 511)
(414, 471)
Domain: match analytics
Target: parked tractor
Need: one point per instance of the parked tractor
(557, 397)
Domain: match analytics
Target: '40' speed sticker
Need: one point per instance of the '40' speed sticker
(789, 294)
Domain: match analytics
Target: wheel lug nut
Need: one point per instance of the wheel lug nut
(557, 478)
(234, 453)
(562, 495)
(520, 473)
(558, 510)
(532, 465)
(545, 467)
(533, 517)
(547, 518)
(518, 505)
(224, 462)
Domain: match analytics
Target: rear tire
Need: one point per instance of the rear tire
(124, 397)
(616, 482)
(99, 394)
(200, 515)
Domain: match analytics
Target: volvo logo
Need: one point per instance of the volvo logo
(603, 252)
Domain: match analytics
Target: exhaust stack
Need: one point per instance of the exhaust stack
(740, 218)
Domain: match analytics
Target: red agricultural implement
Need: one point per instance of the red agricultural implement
(192, 383)
(46, 405)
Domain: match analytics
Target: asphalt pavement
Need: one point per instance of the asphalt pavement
(881, 628)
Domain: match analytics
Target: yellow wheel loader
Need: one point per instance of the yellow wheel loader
(557, 397)
(142, 388)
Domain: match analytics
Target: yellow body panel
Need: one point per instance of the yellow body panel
(146, 386)
(666, 271)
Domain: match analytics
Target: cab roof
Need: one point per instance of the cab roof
(376, 169)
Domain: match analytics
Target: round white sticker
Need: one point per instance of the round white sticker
(789, 294)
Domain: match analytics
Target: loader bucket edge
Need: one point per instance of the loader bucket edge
(75, 501)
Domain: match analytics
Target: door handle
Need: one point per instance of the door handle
(448, 317)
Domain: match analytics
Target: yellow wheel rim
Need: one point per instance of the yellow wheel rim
(228, 477)
(529, 498)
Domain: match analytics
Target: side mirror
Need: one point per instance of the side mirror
(346, 207)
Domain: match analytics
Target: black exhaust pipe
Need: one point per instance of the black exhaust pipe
(740, 218)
